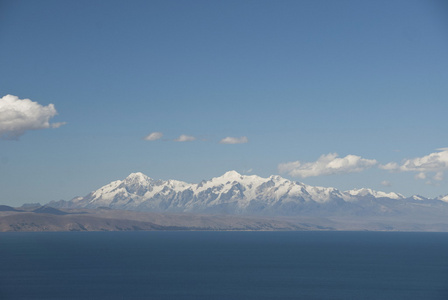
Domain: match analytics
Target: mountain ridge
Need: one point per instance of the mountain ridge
(236, 194)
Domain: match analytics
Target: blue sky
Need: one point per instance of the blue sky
(293, 80)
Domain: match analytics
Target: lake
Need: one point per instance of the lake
(223, 265)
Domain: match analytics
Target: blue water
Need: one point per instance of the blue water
(224, 265)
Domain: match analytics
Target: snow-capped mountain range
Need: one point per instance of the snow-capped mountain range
(233, 193)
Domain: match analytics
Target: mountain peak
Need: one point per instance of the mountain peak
(276, 178)
(443, 198)
(377, 194)
(137, 177)
(231, 174)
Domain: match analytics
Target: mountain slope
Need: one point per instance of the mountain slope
(233, 193)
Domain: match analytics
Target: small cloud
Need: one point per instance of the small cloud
(185, 138)
(58, 124)
(20, 115)
(386, 183)
(432, 183)
(153, 136)
(234, 140)
(420, 175)
(392, 166)
(327, 165)
(438, 176)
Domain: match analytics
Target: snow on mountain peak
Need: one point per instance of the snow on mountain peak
(377, 194)
(137, 177)
(443, 198)
(231, 174)
(277, 178)
(361, 192)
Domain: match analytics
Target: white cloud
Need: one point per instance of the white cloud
(386, 183)
(392, 166)
(20, 115)
(432, 183)
(438, 176)
(153, 136)
(420, 175)
(327, 165)
(435, 162)
(57, 125)
(234, 140)
(185, 138)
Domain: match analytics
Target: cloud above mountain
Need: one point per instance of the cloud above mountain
(153, 136)
(328, 164)
(435, 162)
(185, 138)
(386, 183)
(20, 115)
(432, 162)
(234, 140)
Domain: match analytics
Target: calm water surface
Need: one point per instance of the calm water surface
(224, 265)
